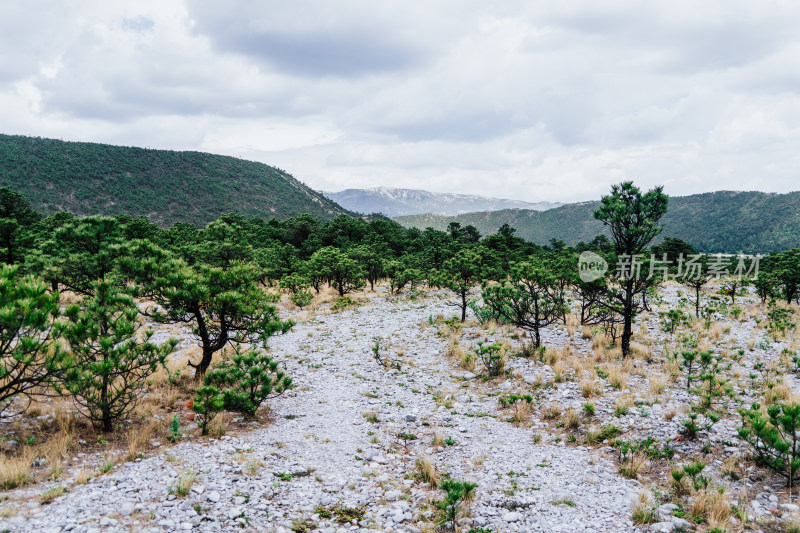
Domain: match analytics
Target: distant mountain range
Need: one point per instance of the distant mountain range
(164, 185)
(724, 221)
(401, 202)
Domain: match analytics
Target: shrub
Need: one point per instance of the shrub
(294, 283)
(773, 437)
(699, 482)
(174, 433)
(673, 319)
(457, 495)
(343, 303)
(249, 379)
(208, 402)
(492, 357)
(302, 298)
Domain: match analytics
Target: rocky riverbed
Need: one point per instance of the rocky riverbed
(341, 449)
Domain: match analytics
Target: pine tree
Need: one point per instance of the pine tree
(633, 219)
(460, 274)
(109, 358)
(530, 298)
(223, 305)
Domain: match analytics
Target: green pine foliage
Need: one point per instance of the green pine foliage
(224, 305)
(531, 298)
(247, 380)
(109, 359)
(460, 274)
(458, 495)
(29, 357)
(16, 215)
(207, 404)
(773, 437)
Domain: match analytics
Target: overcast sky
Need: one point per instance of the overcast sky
(513, 99)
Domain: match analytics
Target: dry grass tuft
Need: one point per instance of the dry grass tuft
(733, 467)
(426, 472)
(644, 511)
(219, 425)
(138, 437)
(572, 419)
(522, 413)
(551, 411)
(633, 465)
(712, 506)
(15, 471)
(778, 393)
(617, 377)
(559, 369)
(639, 351)
(184, 483)
(253, 466)
(52, 494)
(623, 404)
(464, 359)
(658, 384)
(590, 388)
(83, 477)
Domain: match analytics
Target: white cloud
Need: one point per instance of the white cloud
(535, 101)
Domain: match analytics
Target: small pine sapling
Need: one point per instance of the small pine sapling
(457, 495)
(174, 429)
(492, 357)
(208, 402)
(773, 437)
(247, 380)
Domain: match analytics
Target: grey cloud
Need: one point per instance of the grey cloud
(329, 54)
(522, 96)
(304, 39)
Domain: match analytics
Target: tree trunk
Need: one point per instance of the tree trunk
(536, 340)
(627, 330)
(108, 425)
(463, 306)
(697, 301)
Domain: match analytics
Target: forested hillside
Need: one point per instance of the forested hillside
(164, 185)
(722, 221)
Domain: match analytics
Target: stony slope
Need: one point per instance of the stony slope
(334, 455)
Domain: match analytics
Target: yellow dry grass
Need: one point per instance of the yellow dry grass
(425, 471)
(15, 470)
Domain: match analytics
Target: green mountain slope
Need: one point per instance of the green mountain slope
(164, 185)
(725, 221)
